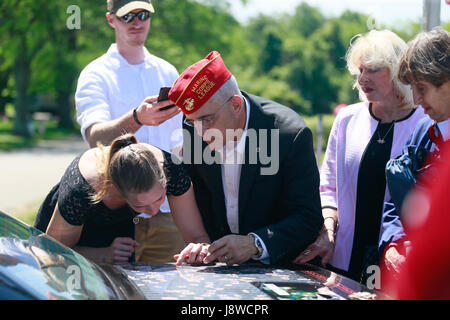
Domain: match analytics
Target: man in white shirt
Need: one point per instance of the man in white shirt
(117, 93)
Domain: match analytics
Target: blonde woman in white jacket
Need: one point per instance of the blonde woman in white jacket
(363, 138)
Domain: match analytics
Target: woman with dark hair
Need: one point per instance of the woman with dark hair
(94, 206)
(426, 68)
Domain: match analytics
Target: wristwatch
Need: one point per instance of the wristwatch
(258, 246)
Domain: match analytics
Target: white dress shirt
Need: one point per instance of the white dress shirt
(232, 155)
(109, 87)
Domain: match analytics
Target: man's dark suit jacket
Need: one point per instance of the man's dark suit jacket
(283, 209)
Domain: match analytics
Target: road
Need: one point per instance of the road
(27, 175)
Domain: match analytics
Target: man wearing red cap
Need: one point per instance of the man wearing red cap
(252, 206)
(117, 93)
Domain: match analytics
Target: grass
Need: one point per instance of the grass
(27, 212)
(51, 131)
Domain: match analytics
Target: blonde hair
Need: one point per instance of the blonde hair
(379, 49)
(128, 165)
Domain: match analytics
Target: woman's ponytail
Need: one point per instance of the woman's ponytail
(129, 166)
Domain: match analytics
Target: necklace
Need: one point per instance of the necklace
(381, 140)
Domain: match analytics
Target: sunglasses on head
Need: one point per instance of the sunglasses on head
(141, 15)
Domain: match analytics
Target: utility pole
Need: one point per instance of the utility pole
(431, 14)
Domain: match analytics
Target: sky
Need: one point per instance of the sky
(389, 12)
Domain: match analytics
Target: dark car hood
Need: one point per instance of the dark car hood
(39, 267)
(249, 281)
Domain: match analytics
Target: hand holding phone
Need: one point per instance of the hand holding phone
(163, 96)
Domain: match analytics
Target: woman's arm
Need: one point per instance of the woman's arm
(330, 219)
(324, 245)
(187, 217)
(63, 231)
(69, 235)
(328, 171)
(188, 220)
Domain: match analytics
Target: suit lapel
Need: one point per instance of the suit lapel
(248, 174)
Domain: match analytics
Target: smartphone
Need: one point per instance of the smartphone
(163, 96)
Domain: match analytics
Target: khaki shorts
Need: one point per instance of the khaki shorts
(159, 238)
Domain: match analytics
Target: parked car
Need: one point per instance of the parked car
(35, 266)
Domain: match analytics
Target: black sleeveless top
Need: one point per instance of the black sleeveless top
(371, 188)
(101, 225)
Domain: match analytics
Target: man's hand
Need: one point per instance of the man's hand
(194, 253)
(231, 249)
(149, 113)
(323, 246)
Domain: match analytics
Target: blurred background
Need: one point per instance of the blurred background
(290, 51)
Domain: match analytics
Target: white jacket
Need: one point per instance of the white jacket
(349, 136)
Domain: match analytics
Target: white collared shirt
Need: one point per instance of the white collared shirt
(232, 159)
(109, 87)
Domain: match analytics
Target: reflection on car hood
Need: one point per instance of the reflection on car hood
(248, 281)
(36, 264)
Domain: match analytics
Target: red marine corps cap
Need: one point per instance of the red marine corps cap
(199, 82)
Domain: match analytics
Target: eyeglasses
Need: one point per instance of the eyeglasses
(208, 121)
(141, 15)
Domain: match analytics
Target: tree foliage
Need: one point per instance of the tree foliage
(296, 59)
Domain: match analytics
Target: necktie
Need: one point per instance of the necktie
(435, 135)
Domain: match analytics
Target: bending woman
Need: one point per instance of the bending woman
(93, 206)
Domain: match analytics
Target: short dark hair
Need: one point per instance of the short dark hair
(427, 58)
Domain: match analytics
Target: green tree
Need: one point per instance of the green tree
(307, 19)
(41, 52)
(184, 31)
(24, 24)
(296, 59)
(5, 92)
(54, 66)
(271, 55)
